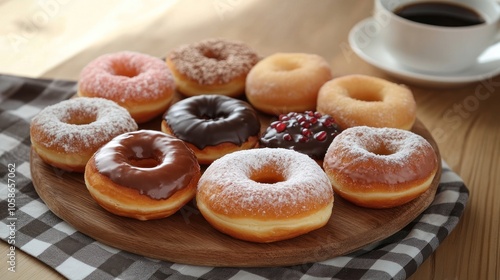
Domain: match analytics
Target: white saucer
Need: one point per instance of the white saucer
(365, 42)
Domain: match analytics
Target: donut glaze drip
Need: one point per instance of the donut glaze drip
(154, 163)
(310, 133)
(209, 120)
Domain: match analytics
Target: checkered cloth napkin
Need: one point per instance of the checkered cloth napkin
(41, 234)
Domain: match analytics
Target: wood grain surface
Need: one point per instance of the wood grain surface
(187, 238)
(464, 120)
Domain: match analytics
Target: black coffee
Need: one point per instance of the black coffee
(440, 14)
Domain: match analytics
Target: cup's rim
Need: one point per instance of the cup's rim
(494, 21)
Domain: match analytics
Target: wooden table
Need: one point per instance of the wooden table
(464, 121)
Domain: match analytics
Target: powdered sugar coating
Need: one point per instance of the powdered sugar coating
(54, 126)
(127, 77)
(380, 155)
(227, 185)
(213, 61)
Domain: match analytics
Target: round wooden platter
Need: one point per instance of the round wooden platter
(186, 237)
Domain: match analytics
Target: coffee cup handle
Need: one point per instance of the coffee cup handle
(497, 37)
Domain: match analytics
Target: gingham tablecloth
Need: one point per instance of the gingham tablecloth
(39, 233)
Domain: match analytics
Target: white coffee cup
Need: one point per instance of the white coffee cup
(437, 49)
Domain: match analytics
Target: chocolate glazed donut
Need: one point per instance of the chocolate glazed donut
(213, 125)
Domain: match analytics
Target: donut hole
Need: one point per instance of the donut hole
(213, 55)
(121, 69)
(144, 162)
(215, 117)
(81, 119)
(211, 113)
(267, 175)
(141, 157)
(287, 65)
(381, 150)
(365, 95)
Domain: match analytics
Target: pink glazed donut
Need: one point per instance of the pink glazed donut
(140, 83)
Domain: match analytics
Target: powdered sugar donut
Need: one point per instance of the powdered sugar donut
(68, 133)
(265, 195)
(287, 82)
(212, 66)
(380, 167)
(141, 83)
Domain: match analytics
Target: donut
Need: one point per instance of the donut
(66, 134)
(213, 125)
(380, 167)
(265, 195)
(211, 66)
(140, 83)
(359, 100)
(309, 133)
(287, 82)
(143, 175)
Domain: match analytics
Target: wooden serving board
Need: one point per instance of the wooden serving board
(186, 237)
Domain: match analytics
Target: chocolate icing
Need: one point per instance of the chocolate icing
(209, 120)
(174, 163)
(310, 133)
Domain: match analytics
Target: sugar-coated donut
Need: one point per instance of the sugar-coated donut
(309, 133)
(287, 82)
(66, 134)
(212, 66)
(140, 83)
(357, 100)
(265, 195)
(213, 125)
(143, 175)
(380, 167)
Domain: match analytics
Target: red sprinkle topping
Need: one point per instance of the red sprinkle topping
(280, 127)
(327, 122)
(283, 117)
(309, 132)
(320, 136)
(305, 124)
(273, 124)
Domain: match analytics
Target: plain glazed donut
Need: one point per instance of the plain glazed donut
(65, 135)
(380, 167)
(287, 82)
(143, 175)
(212, 66)
(213, 125)
(140, 83)
(265, 195)
(358, 100)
